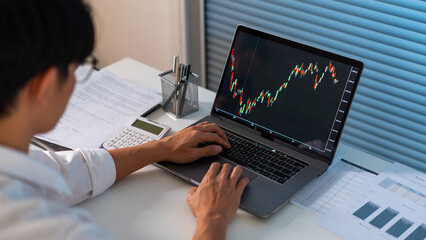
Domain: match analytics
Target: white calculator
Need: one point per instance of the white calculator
(139, 131)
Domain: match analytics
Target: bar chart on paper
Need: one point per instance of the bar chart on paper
(394, 207)
(396, 229)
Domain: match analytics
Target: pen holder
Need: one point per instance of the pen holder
(179, 99)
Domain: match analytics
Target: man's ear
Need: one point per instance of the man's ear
(42, 85)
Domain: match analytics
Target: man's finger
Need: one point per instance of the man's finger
(207, 151)
(214, 128)
(192, 190)
(201, 124)
(212, 137)
(241, 185)
(236, 173)
(189, 198)
(190, 194)
(225, 171)
(212, 172)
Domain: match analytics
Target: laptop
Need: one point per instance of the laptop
(283, 106)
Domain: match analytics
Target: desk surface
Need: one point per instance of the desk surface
(151, 203)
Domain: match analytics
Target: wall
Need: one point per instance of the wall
(145, 30)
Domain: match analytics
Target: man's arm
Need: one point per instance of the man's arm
(215, 202)
(181, 147)
(88, 172)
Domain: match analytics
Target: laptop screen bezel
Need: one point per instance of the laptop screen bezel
(300, 46)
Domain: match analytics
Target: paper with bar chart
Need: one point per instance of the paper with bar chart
(334, 187)
(392, 207)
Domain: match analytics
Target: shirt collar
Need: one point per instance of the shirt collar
(19, 165)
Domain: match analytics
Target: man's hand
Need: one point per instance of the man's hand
(215, 202)
(182, 147)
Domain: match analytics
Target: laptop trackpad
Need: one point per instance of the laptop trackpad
(246, 173)
(199, 168)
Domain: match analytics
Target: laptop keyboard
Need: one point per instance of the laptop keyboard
(272, 164)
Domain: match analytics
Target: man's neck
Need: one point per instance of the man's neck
(14, 133)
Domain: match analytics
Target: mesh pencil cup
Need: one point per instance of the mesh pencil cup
(179, 99)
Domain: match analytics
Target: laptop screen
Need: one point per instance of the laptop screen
(290, 91)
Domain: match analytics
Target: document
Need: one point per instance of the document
(98, 109)
(333, 187)
(392, 206)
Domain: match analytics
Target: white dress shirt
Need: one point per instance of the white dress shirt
(37, 190)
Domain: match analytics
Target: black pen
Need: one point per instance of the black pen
(188, 72)
(176, 79)
(185, 74)
(151, 110)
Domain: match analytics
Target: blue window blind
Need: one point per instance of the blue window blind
(388, 116)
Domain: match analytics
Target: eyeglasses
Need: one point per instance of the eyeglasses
(84, 70)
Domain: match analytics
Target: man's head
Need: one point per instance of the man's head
(38, 36)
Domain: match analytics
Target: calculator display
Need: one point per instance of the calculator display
(147, 127)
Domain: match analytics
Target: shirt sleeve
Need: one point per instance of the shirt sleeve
(87, 172)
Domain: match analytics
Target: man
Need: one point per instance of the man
(42, 42)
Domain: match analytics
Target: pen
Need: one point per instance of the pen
(185, 84)
(176, 75)
(175, 66)
(151, 110)
(178, 95)
(182, 72)
(188, 71)
(185, 73)
(172, 95)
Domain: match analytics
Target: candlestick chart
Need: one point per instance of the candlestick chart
(294, 93)
(269, 96)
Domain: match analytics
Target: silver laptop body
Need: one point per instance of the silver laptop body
(282, 98)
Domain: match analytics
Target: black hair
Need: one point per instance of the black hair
(36, 35)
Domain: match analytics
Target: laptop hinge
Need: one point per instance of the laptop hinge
(267, 136)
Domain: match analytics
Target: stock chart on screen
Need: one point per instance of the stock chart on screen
(297, 95)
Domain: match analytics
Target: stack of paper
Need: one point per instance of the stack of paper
(98, 109)
(392, 206)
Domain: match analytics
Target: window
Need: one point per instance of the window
(388, 115)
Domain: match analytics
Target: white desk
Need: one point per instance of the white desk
(151, 203)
